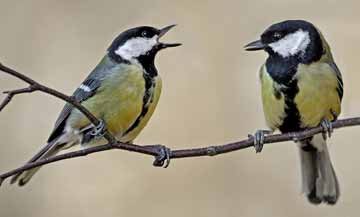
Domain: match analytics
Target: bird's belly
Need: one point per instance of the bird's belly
(317, 98)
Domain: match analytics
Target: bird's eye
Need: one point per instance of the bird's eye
(277, 35)
(144, 34)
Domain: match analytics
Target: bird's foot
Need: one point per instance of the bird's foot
(327, 128)
(99, 130)
(259, 139)
(163, 155)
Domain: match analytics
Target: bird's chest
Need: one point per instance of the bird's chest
(150, 99)
(279, 89)
(130, 92)
(308, 98)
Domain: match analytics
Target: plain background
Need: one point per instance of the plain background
(210, 96)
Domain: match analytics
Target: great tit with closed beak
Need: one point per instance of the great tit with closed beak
(301, 88)
(122, 91)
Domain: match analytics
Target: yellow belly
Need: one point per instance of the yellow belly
(318, 98)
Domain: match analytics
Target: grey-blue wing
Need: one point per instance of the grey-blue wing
(340, 88)
(85, 91)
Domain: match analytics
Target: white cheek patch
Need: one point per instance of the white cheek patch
(136, 47)
(292, 44)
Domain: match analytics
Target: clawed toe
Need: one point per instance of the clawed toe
(99, 130)
(327, 128)
(163, 157)
(259, 139)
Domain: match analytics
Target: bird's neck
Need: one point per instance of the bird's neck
(282, 70)
(117, 58)
(148, 63)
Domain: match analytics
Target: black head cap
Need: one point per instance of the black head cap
(138, 42)
(278, 39)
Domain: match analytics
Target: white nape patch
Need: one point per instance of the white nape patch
(292, 44)
(136, 47)
(84, 88)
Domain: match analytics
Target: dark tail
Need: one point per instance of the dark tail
(48, 150)
(319, 181)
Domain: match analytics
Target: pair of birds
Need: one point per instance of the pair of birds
(301, 88)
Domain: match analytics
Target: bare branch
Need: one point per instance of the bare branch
(185, 153)
(153, 150)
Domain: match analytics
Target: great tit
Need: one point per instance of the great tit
(301, 88)
(122, 91)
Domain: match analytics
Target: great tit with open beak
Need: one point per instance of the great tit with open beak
(301, 88)
(122, 91)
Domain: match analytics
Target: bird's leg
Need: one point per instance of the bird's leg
(327, 128)
(163, 157)
(99, 130)
(259, 138)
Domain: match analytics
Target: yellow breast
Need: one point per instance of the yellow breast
(273, 100)
(130, 136)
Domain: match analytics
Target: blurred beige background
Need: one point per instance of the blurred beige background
(210, 96)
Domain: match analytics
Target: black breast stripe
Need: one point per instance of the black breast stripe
(147, 99)
(291, 122)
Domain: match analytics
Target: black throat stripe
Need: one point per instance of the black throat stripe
(283, 72)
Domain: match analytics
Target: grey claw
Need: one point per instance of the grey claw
(327, 128)
(167, 155)
(99, 130)
(259, 139)
(163, 157)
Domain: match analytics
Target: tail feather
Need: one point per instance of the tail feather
(48, 150)
(319, 180)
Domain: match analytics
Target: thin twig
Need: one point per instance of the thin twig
(148, 150)
(12, 93)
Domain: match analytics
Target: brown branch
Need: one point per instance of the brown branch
(154, 150)
(185, 153)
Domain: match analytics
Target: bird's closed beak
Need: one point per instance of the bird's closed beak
(255, 45)
(163, 31)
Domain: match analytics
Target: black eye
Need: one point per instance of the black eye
(277, 35)
(144, 34)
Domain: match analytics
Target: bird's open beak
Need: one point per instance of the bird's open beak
(163, 31)
(255, 45)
